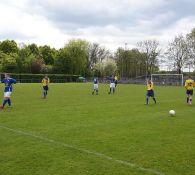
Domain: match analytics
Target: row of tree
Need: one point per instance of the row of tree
(79, 57)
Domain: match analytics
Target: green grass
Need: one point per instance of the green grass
(119, 126)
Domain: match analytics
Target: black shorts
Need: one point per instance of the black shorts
(45, 88)
(189, 92)
(150, 93)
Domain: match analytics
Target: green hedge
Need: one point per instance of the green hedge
(36, 78)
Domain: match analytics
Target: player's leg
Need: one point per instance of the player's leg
(147, 97)
(9, 101)
(94, 89)
(5, 101)
(114, 86)
(110, 89)
(190, 97)
(190, 100)
(97, 90)
(114, 89)
(187, 99)
(153, 97)
(44, 93)
(147, 100)
(187, 93)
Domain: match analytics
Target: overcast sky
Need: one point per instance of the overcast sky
(112, 23)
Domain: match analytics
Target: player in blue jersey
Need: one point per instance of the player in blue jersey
(8, 81)
(95, 86)
(112, 85)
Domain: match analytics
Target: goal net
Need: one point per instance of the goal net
(168, 79)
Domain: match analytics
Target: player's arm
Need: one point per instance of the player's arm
(48, 80)
(186, 84)
(152, 86)
(14, 81)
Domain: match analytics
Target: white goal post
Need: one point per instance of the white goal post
(168, 79)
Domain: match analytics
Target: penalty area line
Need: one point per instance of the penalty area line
(97, 154)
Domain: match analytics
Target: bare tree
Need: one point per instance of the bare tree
(97, 53)
(178, 53)
(107, 67)
(191, 49)
(150, 50)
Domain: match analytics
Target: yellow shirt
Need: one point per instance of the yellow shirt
(150, 86)
(45, 82)
(189, 84)
(116, 78)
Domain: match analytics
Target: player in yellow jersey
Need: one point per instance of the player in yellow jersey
(189, 85)
(150, 92)
(45, 83)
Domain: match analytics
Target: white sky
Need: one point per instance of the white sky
(112, 23)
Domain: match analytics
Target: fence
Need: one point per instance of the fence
(36, 78)
(63, 78)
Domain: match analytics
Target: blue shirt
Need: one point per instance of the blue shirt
(112, 80)
(8, 84)
(95, 81)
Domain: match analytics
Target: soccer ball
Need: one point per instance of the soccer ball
(171, 112)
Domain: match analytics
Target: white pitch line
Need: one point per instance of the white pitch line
(103, 156)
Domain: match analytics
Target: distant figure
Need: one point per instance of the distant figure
(112, 85)
(8, 81)
(150, 92)
(95, 86)
(189, 85)
(45, 83)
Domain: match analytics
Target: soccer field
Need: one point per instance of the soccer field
(75, 133)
